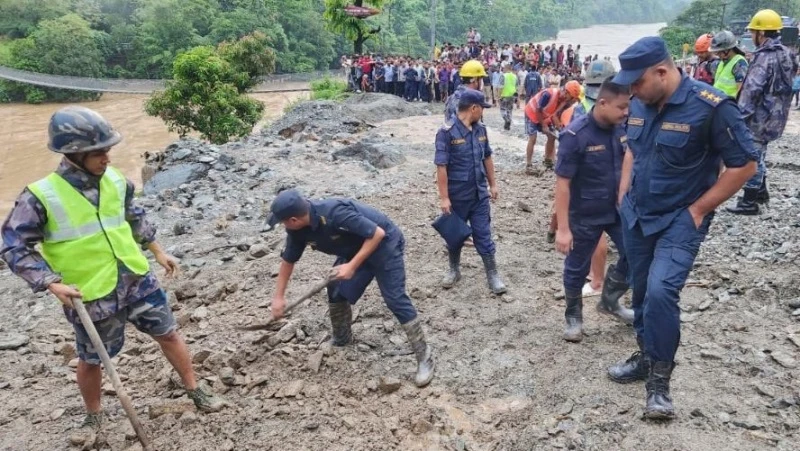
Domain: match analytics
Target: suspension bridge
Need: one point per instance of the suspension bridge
(270, 83)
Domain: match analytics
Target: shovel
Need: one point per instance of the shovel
(124, 399)
(316, 288)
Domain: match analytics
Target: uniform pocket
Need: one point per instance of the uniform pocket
(673, 150)
(590, 194)
(458, 176)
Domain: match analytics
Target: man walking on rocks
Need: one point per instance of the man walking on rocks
(466, 181)
(90, 234)
(367, 245)
(679, 132)
(765, 100)
(508, 94)
(588, 173)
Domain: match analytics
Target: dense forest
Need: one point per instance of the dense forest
(709, 16)
(141, 38)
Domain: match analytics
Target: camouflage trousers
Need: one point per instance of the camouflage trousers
(150, 315)
(761, 170)
(506, 107)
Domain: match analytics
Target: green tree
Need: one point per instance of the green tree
(353, 28)
(164, 30)
(207, 92)
(250, 58)
(19, 18)
(63, 46)
(744, 9)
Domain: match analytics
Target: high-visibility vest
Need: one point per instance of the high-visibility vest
(724, 79)
(509, 85)
(82, 242)
(549, 110)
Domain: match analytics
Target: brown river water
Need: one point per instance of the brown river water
(24, 157)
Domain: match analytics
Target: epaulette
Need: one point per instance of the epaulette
(710, 97)
(446, 126)
(577, 125)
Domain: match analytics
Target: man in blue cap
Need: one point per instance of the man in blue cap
(465, 179)
(679, 132)
(588, 171)
(367, 245)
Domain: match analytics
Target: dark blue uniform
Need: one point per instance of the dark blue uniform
(463, 152)
(411, 83)
(677, 154)
(339, 227)
(591, 157)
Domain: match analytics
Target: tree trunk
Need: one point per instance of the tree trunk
(358, 44)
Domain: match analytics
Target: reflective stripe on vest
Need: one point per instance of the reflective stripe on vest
(549, 110)
(724, 79)
(84, 243)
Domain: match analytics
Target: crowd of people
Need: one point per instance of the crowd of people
(434, 80)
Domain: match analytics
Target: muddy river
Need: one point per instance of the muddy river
(24, 157)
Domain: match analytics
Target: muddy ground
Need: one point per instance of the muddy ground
(505, 379)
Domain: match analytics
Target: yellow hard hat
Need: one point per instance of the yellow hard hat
(471, 69)
(766, 20)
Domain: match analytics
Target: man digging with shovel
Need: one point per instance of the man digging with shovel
(90, 234)
(367, 245)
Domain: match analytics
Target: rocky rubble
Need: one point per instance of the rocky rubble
(505, 380)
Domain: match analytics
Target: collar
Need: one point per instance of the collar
(314, 218)
(596, 124)
(462, 129)
(76, 176)
(682, 93)
(768, 44)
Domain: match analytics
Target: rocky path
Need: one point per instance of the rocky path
(505, 379)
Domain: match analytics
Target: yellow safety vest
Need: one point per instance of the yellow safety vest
(509, 85)
(83, 242)
(724, 79)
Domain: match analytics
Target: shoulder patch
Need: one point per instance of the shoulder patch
(710, 98)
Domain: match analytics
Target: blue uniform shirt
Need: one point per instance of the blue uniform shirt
(340, 227)
(591, 157)
(463, 152)
(676, 157)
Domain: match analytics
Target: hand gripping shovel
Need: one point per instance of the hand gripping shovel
(316, 288)
(124, 399)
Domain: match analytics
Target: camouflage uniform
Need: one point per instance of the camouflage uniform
(451, 107)
(765, 99)
(138, 299)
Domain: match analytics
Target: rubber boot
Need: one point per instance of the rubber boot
(613, 289)
(747, 204)
(763, 192)
(453, 274)
(425, 363)
(341, 322)
(636, 368)
(573, 331)
(659, 403)
(495, 282)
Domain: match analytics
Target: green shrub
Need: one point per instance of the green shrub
(328, 89)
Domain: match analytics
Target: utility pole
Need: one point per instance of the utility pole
(722, 19)
(433, 28)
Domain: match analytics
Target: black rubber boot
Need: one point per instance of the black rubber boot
(614, 287)
(659, 403)
(495, 282)
(636, 368)
(453, 274)
(763, 192)
(341, 323)
(425, 363)
(747, 204)
(573, 330)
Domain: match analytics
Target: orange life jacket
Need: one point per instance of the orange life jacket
(549, 110)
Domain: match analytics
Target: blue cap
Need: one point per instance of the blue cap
(288, 204)
(473, 97)
(641, 55)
